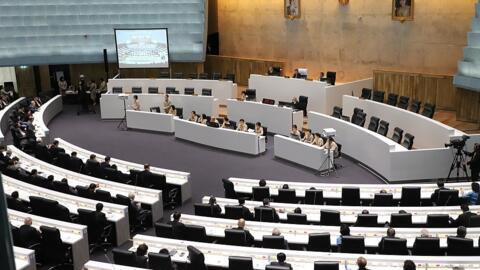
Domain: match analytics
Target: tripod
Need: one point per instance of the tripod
(329, 161)
(458, 164)
(123, 124)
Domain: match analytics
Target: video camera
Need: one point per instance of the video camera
(458, 143)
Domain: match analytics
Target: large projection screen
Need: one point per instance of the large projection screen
(142, 48)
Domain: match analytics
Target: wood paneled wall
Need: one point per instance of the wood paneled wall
(25, 81)
(241, 67)
(434, 89)
(468, 105)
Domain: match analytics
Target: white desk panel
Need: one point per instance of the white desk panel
(24, 259)
(151, 197)
(227, 139)
(115, 213)
(298, 234)
(44, 115)
(277, 119)
(179, 178)
(94, 265)
(305, 154)
(5, 118)
(217, 255)
(151, 121)
(72, 234)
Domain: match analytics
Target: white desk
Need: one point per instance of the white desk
(298, 234)
(24, 259)
(94, 265)
(147, 196)
(178, 178)
(277, 119)
(222, 90)
(112, 107)
(152, 121)
(72, 234)
(348, 214)
(334, 191)
(217, 255)
(118, 214)
(321, 97)
(5, 118)
(305, 154)
(389, 159)
(227, 139)
(44, 115)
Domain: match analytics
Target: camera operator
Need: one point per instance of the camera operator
(474, 162)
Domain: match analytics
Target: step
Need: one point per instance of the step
(467, 82)
(471, 54)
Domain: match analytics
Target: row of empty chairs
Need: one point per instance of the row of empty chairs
(401, 102)
(200, 76)
(168, 90)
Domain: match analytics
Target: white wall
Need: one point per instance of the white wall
(7, 74)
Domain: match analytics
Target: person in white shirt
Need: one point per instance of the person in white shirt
(167, 104)
(295, 133)
(173, 110)
(308, 136)
(317, 140)
(203, 119)
(242, 126)
(193, 117)
(226, 123)
(332, 145)
(258, 129)
(136, 104)
(62, 86)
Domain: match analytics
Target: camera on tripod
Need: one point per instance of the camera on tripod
(458, 163)
(458, 143)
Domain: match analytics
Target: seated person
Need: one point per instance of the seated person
(173, 111)
(136, 104)
(141, 259)
(136, 213)
(243, 96)
(76, 164)
(390, 234)
(266, 205)
(295, 133)
(98, 216)
(193, 117)
(344, 231)
(27, 234)
(276, 232)
(17, 204)
(167, 104)
(281, 258)
(472, 196)
(55, 149)
(178, 228)
(262, 183)
(215, 209)
(308, 136)
(409, 265)
(317, 140)
(203, 119)
(106, 163)
(241, 227)
(464, 218)
(245, 211)
(295, 103)
(258, 129)
(441, 186)
(242, 126)
(461, 232)
(362, 263)
(296, 74)
(226, 123)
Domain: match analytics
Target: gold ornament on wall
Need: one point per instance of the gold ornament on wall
(343, 2)
(292, 9)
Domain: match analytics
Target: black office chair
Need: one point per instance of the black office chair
(63, 160)
(189, 91)
(428, 110)
(102, 195)
(235, 237)
(329, 217)
(251, 94)
(294, 218)
(163, 230)
(230, 77)
(383, 128)
(337, 112)
(383, 199)
(159, 261)
(203, 76)
(287, 196)
(170, 90)
(394, 246)
(427, 246)
(164, 75)
(276, 267)
(197, 259)
(178, 75)
(193, 76)
(250, 125)
(438, 221)
(367, 220)
(447, 197)
(457, 246)
(260, 193)
(319, 242)
(415, 106)
(474, 221)
(403, 102)
(206, 92)
(378, 96)
(273, 241)
(320, 265)
(359, 119)
(117, 90)
(42, 207)
(233, 212)
(203, 209)
(366, 93)
(196, 233)
(397, 135)
(180, 112)
(53, 251)
(124, 257)
(229, 189)
(355, 112)
(153, 90)
(411, 196)
(353, 244)
(351, 196)
(240, 263)
(265, 214)
(136, 90)
(216, 76)
(61, 187)
(392, 99)
(408, 141)
(373, 125)
(314, 196)
(92, 168)
(302, 104)
(398, 220)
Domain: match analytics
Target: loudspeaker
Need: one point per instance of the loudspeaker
(105, 60)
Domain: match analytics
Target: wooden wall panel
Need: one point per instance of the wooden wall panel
(468, 105)
(25, 81)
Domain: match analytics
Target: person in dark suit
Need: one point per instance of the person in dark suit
(281, 258)
(55, 149)
(41, 151)
(474, 162)
(464, 218)
(266, 205)
(71, 189)
(215, 209)
(276, 232)
(241, 227)
(98, 217)
(409, 265)
(106, 163)
(178, 228)
(137, 212)
(441, 186)
(390, 235)
(362, 263)
(461, 232)
(27, 234)
(76, 164)
(245, 211)
(141, 259)
(91, 190)
(92, 165)
(143, 178)
(35, 179)
(16, 204)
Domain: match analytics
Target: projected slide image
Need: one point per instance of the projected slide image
(142, 48)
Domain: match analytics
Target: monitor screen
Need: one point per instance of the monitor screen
(142, 48)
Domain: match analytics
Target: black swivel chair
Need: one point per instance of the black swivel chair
(193, 76)
(351, 196)
(61, 187)
(427, 246)
(189, 91)
(260, 193)
(302, 104)
(457, 246)
(408, 141)
(438, 221)
(216, 76)
(240, 263)
(203, 209)
(314, 196)
(294, 218)
(235, 237)
(251, 94)
(206, 92)
(415, 106)
(366, 93)
(394, 246)
(287, 196)
(102, 195)
(367, 220)
(136, 90)
(117, 90)
(230, 77)
(447, 197)
(383, 199)
(359, 119)
(401, 220)
(124, 257)
(392, 99)
(378, 96)
(196, 233)
(353, 244)
(403, 102)
(53, 251)
(428, 110)
(63, 160)
(170, 90)
(411, 196)
(383, 128)
(319, 242)
(329, 217)
(234, 211)
(229, 189)
(355, 113)
(178, 75)
(318, 265)
(153, 90)
(197, 259)
(163, 230)
(160, 261)
(273, 241)
(265, 214)
(164, 75)
(203, 76)
(397, 135)
(373, 125)
(337, 112)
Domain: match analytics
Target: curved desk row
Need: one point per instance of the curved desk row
(298, 234)
(150, 197)
(72, 234)
(302, 153)
(111, 105)
(117, 214)
(278, 119)
(44, 115)
(24, 259)
(5, 118)
(217, 256)
(348, 214)
(389, 159)
(222, 90)
(178, 178)
(151, 121)
(227, 139)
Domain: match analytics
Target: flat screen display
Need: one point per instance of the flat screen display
(142, 48)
